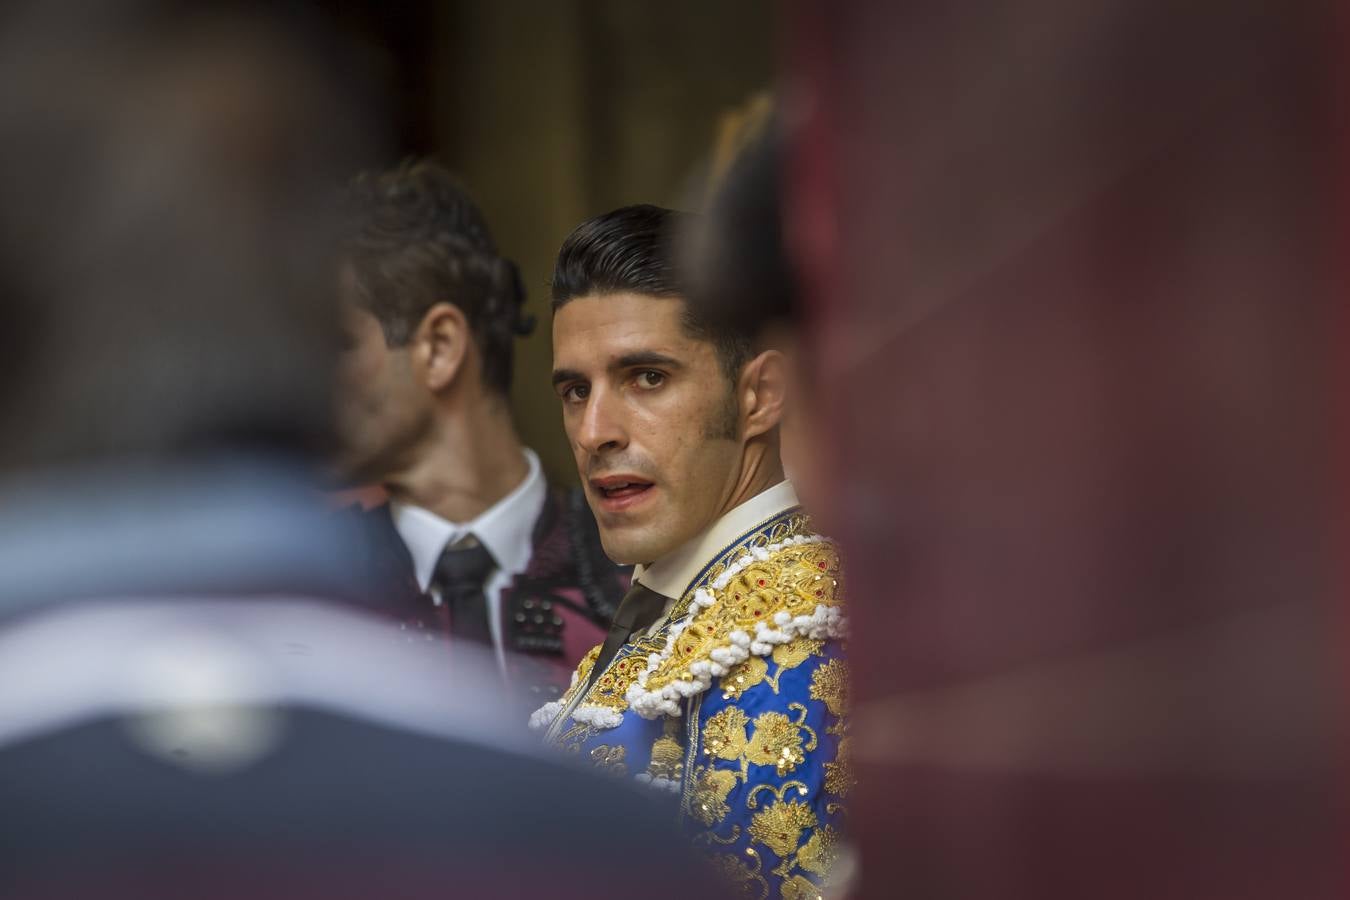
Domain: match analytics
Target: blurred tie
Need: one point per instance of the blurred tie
(639, 609)
(460, 575)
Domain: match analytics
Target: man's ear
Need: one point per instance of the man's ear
(763, 391)
(441, 345)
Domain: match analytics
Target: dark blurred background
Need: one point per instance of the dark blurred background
(555, 112)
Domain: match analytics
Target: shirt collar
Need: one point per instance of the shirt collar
(505, 528)
(671, 574)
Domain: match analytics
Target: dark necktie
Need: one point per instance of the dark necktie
(639, 609)
(460, 575)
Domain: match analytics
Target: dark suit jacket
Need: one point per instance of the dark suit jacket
(551, 614)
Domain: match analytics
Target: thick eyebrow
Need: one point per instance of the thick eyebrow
(627, 361)
(647, 358)
(561, 375)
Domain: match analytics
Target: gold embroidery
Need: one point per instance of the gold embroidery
(753, 670)
(779, 827)
(707, 837)
(799, 888)
(667, 760)
(820, 852)
(776, 742)
(611, 689)
(752, 800)
(794, 580)
(738, 873)
(839, 777)
(709, 801)
(582, 673)
(802, 713)
(572, 739)
(610, 759)
(796, 652)
(744, 676)
(829, 684)
(777, 531)
(724, 733)
(586, 665)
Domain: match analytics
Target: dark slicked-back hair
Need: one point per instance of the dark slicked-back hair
(632, 250)
(417, 239)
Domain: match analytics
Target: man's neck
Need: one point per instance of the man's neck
(470, 461)
(761, 469)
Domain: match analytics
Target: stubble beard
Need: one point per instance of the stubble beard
(724, 423)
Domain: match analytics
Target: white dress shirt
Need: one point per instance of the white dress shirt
(506, 529)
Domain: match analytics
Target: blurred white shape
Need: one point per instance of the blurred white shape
(189, 685)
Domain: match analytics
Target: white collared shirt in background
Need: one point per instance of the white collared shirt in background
(506, 529)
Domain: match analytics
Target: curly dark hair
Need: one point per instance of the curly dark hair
(417, 239)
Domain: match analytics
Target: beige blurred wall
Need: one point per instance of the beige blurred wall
(554, 112)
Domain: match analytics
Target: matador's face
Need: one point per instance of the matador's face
(652, 419)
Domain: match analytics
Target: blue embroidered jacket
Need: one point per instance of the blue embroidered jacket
(734, 705)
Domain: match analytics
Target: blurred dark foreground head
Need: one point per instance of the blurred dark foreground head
(744, 279)
(184, 710)
(165, 178)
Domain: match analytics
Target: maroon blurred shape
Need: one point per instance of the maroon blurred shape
(1073, 272)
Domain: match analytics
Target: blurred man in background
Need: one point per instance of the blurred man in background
(194, 700)
(475, 545)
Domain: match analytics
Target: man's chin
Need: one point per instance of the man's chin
(633, 544)
(627, 549)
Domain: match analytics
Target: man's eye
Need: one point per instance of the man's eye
(576, 393)
(650, 379)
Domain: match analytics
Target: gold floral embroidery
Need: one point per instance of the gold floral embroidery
(572, 739)
(611, 688)
(755, 669)
(667, 759)
(829, 684)
(776, 742)
(799, 888)
(795, 580)
(709, 801)
(586, 665)
(796, 652)
(839, 776)
(820, 852)
(777, 531)
(610, 759)
(709, 838)
(737, 873)
(724, 733)
(779, 826)
(743, 676)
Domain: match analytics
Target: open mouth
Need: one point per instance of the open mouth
(620, 488)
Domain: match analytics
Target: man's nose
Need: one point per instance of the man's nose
(602, 428)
